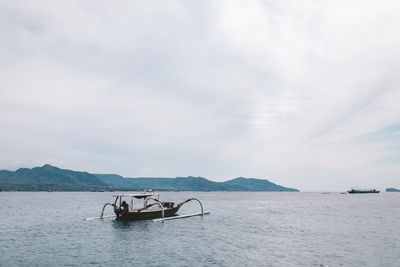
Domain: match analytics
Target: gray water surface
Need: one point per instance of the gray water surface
(244, 229)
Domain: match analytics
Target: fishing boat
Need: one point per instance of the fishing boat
(362, 191)
(126, 208)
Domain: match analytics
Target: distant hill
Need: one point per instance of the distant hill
(253, 184)
(179, 183)
(392, 190)
(193, 184)
(49, 177)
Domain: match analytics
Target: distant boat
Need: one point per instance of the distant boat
(362, 191)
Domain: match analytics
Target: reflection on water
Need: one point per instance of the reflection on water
(134, 225)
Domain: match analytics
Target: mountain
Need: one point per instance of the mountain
(49, 177)
(253, 184)
(392, 190)
(179, 183)
(192, 184)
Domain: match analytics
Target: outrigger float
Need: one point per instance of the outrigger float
(152, 208)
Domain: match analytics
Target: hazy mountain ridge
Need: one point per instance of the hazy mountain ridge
(52, 178)
(391, 189)
(50, 175)
(195, 183)
(253, 184)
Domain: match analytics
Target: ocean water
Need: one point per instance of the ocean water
(243, 229)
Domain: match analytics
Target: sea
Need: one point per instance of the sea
(243, 229)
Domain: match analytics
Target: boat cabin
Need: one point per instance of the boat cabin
(133, 199)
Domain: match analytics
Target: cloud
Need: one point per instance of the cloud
(284, 90)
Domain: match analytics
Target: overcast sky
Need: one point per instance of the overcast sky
(303, 93)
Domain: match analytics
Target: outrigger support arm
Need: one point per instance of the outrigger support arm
(185, 216)
(190, 199)
(150, 198)
(102, 211)
(157, 203)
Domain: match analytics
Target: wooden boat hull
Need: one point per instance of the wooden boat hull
(148, 214)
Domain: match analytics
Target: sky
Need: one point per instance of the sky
(303, 93)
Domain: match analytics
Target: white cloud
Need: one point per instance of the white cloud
(284, 90)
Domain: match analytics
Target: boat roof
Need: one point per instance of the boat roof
(136, 195)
